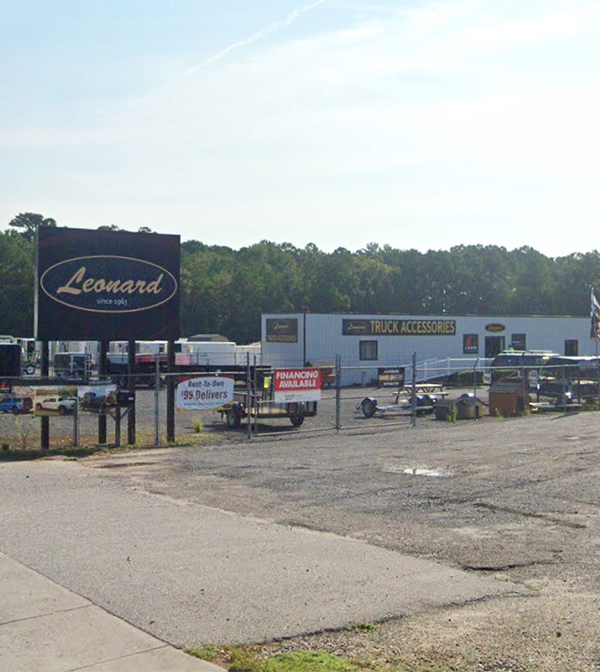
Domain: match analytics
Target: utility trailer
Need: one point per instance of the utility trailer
(144, 370)
(72, 365)
(259, 403)
(424, 402)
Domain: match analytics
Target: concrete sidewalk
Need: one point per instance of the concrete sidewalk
(46, 627)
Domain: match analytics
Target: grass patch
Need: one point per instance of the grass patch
(307, 661)
(363, 627)
(206, 652)
(190, 440)
(252, 658)
(247, 659)
(198, 425)
(9, 455)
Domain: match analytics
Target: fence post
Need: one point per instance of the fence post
(413, 392)
(475, 377)
(171, 386)
(76, 422)
(338, 392)
(45, 420)
(255, 399)
(131, 386)
(248, 403)
(156, 400)
(103, 354)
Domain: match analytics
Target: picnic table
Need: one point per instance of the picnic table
(430, 389)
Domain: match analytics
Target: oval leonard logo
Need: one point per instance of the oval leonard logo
(108, 284)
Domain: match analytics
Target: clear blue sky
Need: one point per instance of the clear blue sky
(411, 123)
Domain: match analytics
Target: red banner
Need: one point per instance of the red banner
(297, 385)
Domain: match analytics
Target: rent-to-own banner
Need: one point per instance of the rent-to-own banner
(292, 385)
(202, 393)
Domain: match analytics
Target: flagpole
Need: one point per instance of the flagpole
(597, 374)
(595, 335)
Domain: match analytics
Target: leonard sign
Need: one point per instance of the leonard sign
(106, 285)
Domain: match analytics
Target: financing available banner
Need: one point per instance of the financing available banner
(292, 385)
(203, 393)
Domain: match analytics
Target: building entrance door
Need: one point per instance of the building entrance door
(494, 345)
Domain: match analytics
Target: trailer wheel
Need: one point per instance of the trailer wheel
(368, 406)
(297, 420)
(234, 417)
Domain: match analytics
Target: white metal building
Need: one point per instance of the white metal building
(390, 340)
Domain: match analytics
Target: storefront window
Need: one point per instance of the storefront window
(368, 350)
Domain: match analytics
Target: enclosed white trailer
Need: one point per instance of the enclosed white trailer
(296, 339)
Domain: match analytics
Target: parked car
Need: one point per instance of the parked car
(16, 405)
(510, 363)
(62, 405)
(576, 377)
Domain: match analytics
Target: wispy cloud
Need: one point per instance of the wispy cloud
(240, 44)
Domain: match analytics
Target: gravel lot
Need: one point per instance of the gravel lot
(515, 498)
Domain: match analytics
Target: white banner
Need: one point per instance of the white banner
(203, 393)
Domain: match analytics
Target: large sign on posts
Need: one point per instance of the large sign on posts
(293, 385)
(106, 285)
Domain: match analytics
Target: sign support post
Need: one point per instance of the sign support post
(45, 420)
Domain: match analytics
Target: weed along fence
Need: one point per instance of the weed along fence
(243, 402)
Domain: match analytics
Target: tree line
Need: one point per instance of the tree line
(225, 291)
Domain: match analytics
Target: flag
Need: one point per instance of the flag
(595, 315)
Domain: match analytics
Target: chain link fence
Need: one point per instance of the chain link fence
(141, 410)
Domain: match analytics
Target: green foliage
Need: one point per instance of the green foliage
(225, 290)
(16, 283)
(363, 627)
(27, 224)
(308, 661)
(198, 425)
(206, 652)
(452, 413)
(464, 379)
(244, 659)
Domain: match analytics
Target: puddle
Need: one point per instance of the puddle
(415, 471)
(423, 471)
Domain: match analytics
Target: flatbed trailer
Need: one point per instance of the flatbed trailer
(260, 405)
(424, 402)
(144, 371)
